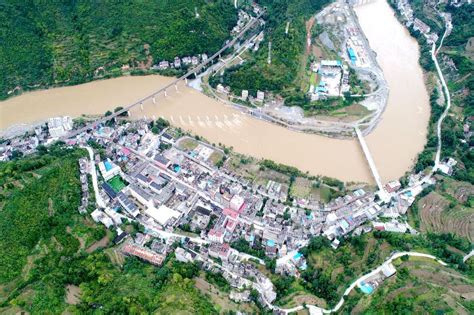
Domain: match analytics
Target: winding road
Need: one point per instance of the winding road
(316, 309)
(355, 283)
(434, 52)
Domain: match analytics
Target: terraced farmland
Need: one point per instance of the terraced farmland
(448, 210)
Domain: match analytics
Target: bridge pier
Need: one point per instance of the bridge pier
(166, 94)
(153, 100)
(186, 81)
(141, 106)
(176, 87)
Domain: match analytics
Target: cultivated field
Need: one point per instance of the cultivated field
(448, 210)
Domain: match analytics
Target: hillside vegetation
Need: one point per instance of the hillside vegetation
(330, 271)
(286, 49)
(39, 209)
(421, 286)
(68, 42)
(43, 240)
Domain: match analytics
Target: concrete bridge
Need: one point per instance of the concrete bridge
(174, 83)
(382, 193)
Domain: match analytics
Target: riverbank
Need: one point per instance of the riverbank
(192, 111)
(403, 127)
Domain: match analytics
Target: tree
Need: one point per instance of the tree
(16, 154)
(117, 109)
(161, 123)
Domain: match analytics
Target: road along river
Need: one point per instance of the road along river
(394, 144)
(403, 130)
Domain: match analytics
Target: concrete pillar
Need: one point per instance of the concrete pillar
(154, 100)
(186, 80)
(176, 87)
(141, 106)
(166, 94)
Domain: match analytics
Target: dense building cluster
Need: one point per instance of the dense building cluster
(169, 184)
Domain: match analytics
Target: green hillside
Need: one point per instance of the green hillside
(46, 250)
(68, 42)
(287, 49)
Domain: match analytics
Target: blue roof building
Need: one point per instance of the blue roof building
(352, 55)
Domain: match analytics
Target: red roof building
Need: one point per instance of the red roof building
(143, 253)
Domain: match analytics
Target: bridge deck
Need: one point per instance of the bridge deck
(369, 159)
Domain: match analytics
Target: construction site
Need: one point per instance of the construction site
(339, 74)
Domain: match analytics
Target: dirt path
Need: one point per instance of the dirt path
(309, 26)
(82, 242)
(50, 207)
(99, 244)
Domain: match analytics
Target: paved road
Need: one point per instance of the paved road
(465, 258)
(98, 199)
(448, 105)
(356, 282)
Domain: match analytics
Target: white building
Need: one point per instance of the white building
(142, 196)
(221, 89)
(59, 126)
(245, 94)
(236, 203)
(388, 270)
(163, 215)
(117, 218)
(108, 169)
(260, 96)
(182, 255)
(99, 216)
(177, 62)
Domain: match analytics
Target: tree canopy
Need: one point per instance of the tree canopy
(70, 42)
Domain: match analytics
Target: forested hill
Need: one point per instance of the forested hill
(67, 42)
(287, 49)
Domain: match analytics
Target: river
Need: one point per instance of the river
(394, 144)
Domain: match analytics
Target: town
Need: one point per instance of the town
(180, 190)
(164, 193)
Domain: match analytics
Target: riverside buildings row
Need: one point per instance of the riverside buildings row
(417, 24)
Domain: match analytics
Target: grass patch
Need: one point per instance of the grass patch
(215, 157)
(117, 183)
(187, 144)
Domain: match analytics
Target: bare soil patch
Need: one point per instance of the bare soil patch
(99, 244)
(73, 294)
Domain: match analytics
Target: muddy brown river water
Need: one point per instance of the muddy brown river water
(394, 143)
